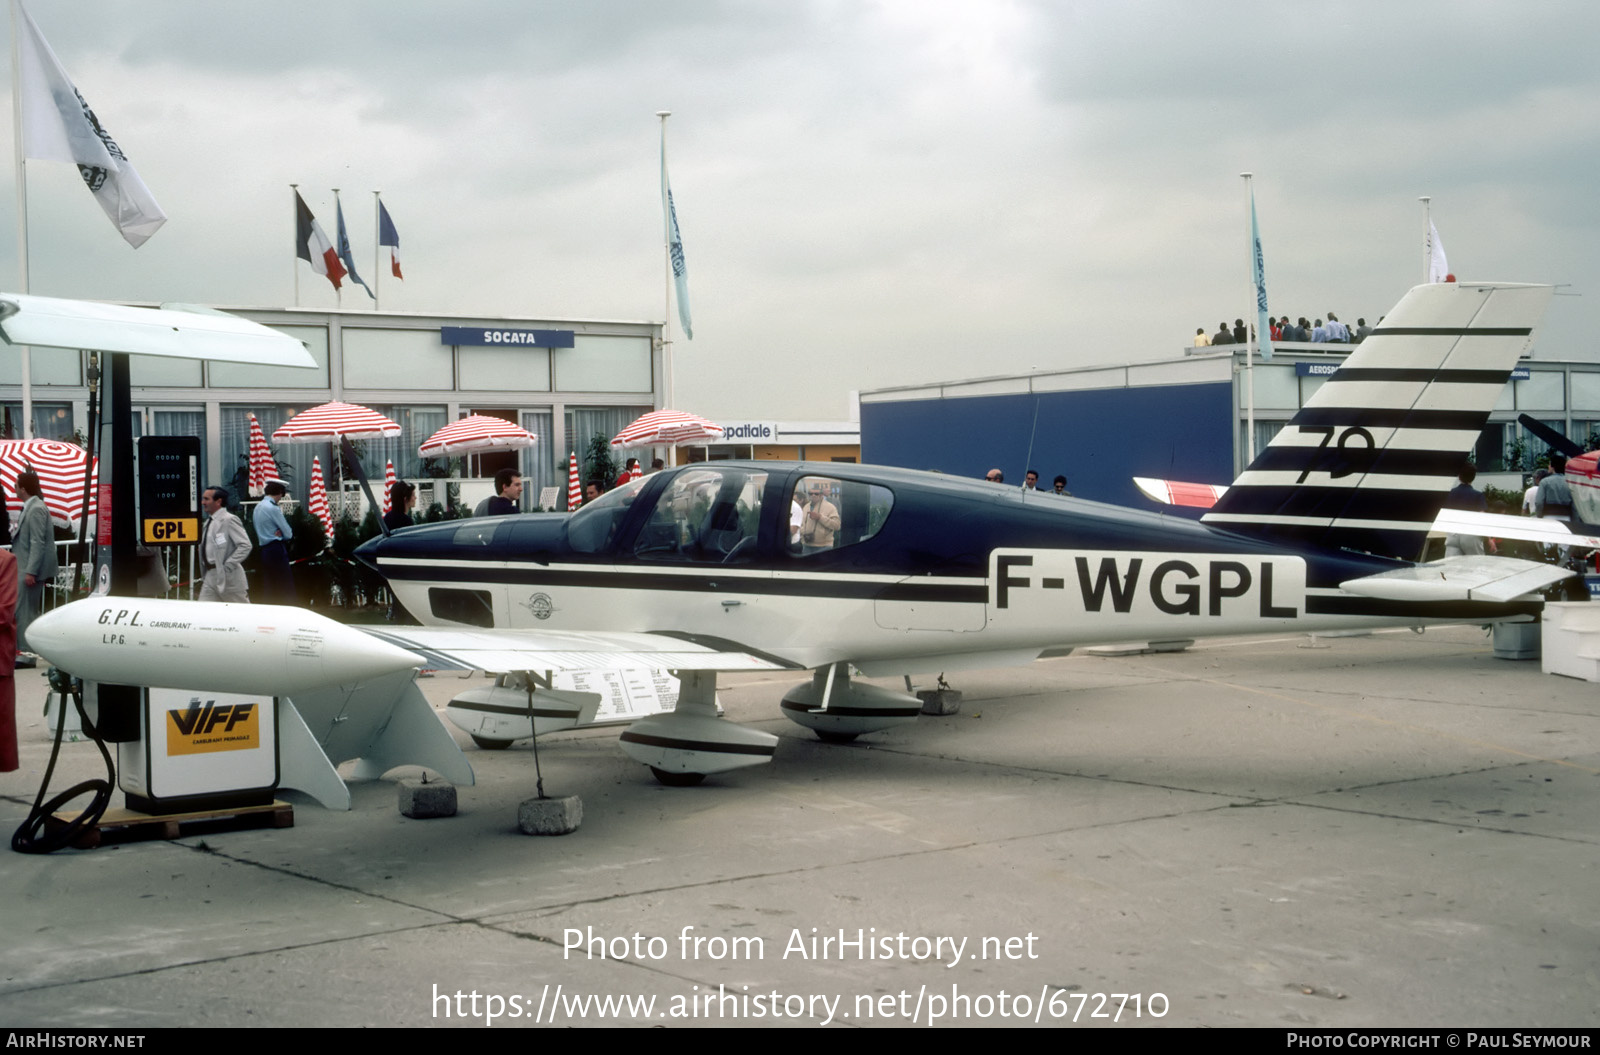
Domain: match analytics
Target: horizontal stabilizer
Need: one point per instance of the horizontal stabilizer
(510, 651)
(1498, 525)
(1496, 579)
(1179, 492)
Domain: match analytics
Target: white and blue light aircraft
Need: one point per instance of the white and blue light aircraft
(840, 569)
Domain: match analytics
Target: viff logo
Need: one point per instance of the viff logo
(208, 726)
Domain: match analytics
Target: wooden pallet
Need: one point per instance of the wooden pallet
(121, 825)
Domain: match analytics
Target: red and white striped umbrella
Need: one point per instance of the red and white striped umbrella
(667, 428)
(388, 487)
(574, 492)
(317, 499)
(60, 467)
(480, 432)
(262, 466)
(331, 420)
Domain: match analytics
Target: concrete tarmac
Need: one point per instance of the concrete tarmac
(1394, 830)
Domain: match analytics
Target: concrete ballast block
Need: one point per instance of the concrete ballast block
(431, 798)
(940, 701)
(550, 816)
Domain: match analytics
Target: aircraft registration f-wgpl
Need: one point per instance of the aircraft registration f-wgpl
(841, 568)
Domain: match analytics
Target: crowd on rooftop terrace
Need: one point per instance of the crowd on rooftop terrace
(1331, 331)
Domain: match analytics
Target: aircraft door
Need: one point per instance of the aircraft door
(700, 554)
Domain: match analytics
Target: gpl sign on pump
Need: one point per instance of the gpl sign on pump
(169, 490)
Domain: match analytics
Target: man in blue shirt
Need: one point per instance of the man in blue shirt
(508, 492)
(273, 533)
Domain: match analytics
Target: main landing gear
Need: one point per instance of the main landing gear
(838, 710)
(682, 747)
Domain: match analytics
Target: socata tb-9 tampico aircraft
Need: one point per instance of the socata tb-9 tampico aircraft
(841, 568)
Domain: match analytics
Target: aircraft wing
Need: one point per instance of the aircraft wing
(1498, 525)
(183, 332)
(513, 651)
(1459, 579)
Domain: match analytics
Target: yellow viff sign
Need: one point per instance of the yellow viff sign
(213, 727)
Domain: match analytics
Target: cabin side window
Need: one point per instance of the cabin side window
(473, 607)
(827, 514)
(476, 532)
(592, 528)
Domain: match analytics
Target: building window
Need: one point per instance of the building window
(1265, 432)
(496, 369)
(383, 358)
(585, 423)
(1277, 388)
(542, 465)
(1490, 454)
(250, 375)
(159, 371)
(51, 421)
(1533, 448)
(416, 425)
(46, 366)
(293, 459)
(1585, 391)
(604, 364)
(1541, 391)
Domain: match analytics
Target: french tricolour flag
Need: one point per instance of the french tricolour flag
(312, 246)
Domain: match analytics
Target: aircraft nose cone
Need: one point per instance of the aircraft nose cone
(367, 552)
(51, 634)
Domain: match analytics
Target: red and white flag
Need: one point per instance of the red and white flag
(312, 245)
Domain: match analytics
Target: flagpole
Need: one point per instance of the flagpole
(22, 213)
(1249, 345)
(294, 259)
(377, 264)
(1427, 238)
(666, 283)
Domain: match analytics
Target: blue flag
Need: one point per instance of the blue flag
(345, 256)
(1263, 320)
(680, 272)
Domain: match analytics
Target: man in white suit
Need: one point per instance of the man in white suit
(223, 548)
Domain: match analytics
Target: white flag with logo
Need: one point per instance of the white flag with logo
(57, 125)
(1438, 266)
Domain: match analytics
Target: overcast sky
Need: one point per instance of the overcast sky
(870, 194)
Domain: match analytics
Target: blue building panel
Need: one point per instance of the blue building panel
(1099, 439)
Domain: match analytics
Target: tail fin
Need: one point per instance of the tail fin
(1368, 460)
